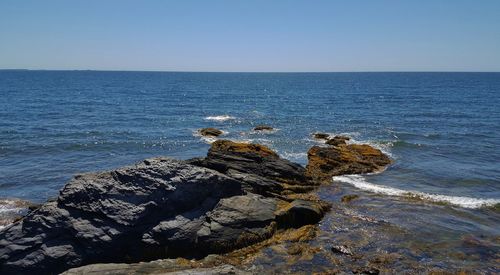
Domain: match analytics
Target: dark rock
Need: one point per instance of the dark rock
(252, 159)
(163, 208)
(301, 212)
(326, 162)
(366, 270)
(321, 136)
(263, 128)
(103, 217)
(210, 132)
(217, 270)
(235, 222)
(349, 198)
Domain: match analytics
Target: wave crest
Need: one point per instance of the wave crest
(220, 118)
(466, 202)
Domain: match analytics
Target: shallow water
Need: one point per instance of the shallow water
(441, 129)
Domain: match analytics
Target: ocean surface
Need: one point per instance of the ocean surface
(441, 129)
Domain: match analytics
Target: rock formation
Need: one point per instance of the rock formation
(326, 162)
(238, 195)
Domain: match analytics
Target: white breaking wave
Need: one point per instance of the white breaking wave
(466, 202)
(294, 156)
(220, 118)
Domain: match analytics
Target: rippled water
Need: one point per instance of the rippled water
(442, 130)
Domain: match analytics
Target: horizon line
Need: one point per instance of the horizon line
(303, 72)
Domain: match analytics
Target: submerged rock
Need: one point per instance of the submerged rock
(210, 132)
(326, 162)
(263, 128)
(349, 198)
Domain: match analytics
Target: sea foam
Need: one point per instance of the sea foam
(360, 182)
(220, 118)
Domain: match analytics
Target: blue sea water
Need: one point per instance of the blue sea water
(441, 129)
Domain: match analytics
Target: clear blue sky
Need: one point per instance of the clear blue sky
(253, 35)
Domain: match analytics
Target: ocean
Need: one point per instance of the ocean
(441, 129)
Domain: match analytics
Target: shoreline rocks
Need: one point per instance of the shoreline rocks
(239, 195)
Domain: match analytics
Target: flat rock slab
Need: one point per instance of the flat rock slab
(326, 162)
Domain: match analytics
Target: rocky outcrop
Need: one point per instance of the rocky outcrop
(263, 128)
(210, 132)
(129, 214)
(239, 195)
(259, 169)
(326, 162)
(161, 208)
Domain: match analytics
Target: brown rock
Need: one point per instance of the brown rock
(326, 162)
(210, 132)
(263, 128)
(227, 146)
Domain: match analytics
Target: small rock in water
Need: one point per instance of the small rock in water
(342, 249)
(263, 128)
(321, 136)
(210, 132)
(348, 198)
